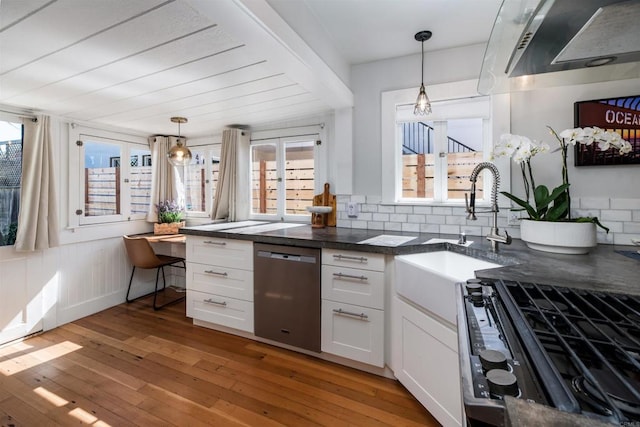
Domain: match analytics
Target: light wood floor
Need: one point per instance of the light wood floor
(130, 365)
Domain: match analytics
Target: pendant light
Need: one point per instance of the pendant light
(423, 105)
(179, 155)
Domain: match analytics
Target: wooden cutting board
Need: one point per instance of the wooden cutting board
(327, 199)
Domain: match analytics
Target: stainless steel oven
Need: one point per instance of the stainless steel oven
(574, 350)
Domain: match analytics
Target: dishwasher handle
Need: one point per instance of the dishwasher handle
(287, 257)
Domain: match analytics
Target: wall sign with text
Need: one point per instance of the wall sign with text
(621, 115)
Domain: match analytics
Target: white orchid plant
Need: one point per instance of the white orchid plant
(554, 205)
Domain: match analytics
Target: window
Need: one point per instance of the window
(110, 189)
(438, 157)
(434, 155)
(10, 180)
(202, 179)
(284, 175)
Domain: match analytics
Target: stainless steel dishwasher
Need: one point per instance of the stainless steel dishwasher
(287, 295)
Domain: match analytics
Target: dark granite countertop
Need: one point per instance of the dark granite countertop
(602, 269)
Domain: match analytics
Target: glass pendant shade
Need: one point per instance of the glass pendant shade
(423, 105)
(179, 155)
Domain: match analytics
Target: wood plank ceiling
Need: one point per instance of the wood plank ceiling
(134, 64)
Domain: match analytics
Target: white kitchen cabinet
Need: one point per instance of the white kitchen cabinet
(424, 359)
(353, 331)
(220, 281)
(220, 310)
(353, 295)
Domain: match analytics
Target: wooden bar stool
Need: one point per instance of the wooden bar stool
(142, 255)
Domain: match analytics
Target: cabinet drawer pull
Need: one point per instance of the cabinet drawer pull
(349, 276)
(217, 273)
(220, 303)
(350, 258)
(360, 316)
(213, 242)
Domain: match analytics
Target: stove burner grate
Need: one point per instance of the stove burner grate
(616, 392)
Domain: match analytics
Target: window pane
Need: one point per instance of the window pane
(101, 178)
(140, 180)
(417, 159)
(464, 148)
(299, 173)
(264, 183)
(195, 183)
(10, 180)
(215, 169)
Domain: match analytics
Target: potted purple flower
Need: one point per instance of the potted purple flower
(170, 214)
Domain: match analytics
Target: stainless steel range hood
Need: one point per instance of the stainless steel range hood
(532, 37)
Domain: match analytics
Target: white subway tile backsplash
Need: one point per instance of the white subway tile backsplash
(592, 203)
(414, 228)
(457, 220)
(343, 223)
(375, 225)
(610, 215)
(417, 219)
(381, 217)
(422, 210)
(471, 231)
(429, 228)
(621, 215)
(404, 209)
(625, 204)
(437, 219)
(393, 226)
(450, 229)
(398, 217)
(442, 210)
(632, 227)
(358, 224)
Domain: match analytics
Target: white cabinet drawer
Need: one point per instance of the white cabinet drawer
(221, 310)
(225, 281)
(225, 252)
(353, 286)
(361, 260)
(353, 332)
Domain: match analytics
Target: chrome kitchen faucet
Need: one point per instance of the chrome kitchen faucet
(494, 235)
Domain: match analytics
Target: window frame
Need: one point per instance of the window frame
(280, 137)
(212, 151)
(76, 168)
(14, 118)
(499, 119)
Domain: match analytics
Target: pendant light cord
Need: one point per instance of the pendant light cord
(422, 75)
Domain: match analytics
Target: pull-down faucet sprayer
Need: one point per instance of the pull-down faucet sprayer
(494, 235)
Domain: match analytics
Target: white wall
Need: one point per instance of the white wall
(369, 80)
(608, 192)
(532, 111)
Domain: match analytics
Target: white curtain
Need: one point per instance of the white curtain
(224, 206)
(38, 216)
(166, 179)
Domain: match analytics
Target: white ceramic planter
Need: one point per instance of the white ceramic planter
(559, 237)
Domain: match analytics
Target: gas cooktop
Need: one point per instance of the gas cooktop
(575, 350)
